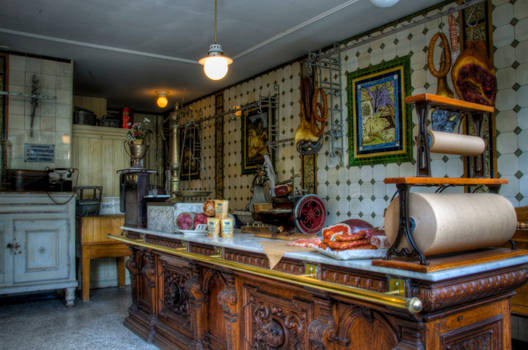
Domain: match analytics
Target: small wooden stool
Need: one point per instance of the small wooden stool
(92, 240)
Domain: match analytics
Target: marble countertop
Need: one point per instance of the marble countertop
(250, 243)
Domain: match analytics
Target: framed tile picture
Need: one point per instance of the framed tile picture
(379, 122)
(190, 153)
(256, 136)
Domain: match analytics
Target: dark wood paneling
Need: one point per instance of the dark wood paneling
(178, 303)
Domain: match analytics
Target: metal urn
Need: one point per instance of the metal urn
(137, 151)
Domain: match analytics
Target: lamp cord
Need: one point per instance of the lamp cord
(216, 9)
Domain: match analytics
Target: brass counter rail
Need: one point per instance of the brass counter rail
(413, 305)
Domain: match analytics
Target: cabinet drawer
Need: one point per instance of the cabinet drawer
(43, 253)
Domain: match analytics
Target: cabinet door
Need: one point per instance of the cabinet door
(5, 254)
(43, 253)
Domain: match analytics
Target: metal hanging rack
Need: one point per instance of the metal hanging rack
(329, 79)
(271, 101)
(20, 94)
(404, 27)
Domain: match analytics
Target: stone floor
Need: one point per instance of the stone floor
(45, 323)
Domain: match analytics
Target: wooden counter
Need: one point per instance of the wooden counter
(190, 293)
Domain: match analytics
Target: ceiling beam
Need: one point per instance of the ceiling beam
(97, 46)
(297, 27)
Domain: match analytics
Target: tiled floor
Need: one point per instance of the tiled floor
(47, 324)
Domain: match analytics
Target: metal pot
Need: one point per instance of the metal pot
(83, 116)
(137, 153)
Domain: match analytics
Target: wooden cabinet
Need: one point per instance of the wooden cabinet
(98, 152)
(519, 303)
(182, 302)
(37, 238)
(5, 261)
(43, 252)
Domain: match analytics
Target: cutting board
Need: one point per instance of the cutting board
(284, 236)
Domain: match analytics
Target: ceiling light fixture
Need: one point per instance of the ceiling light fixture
(215, 63)
(162, 99)
(384, 3)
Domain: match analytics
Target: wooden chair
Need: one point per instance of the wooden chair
(92, 243)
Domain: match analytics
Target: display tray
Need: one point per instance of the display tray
(351, 254)
(455, 260)
(193, 232)
(200, 229)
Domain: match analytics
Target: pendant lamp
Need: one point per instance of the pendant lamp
(215, 63)
(384, 3)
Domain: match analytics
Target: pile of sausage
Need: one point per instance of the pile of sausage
(352, 234)
(356, 240)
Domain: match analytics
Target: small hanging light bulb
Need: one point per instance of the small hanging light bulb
(162, 99)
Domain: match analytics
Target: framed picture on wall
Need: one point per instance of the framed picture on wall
(256, 136)
(379, 122)
(190, 153)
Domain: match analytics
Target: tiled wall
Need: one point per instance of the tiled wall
(510, 40)
(53, 118)
(198, 110)
(360, 191)
(236, 185)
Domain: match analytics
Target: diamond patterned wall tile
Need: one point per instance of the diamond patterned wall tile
(521, 30)
(521, 9)
(506, 78)
(506, 99)
(379, 172)
(454, 167)
(504, 56)
(522, 73)
(502, 14)
(512, 188)
(507, 142)
(379, 189)
(366, 173)
(503, 35)
(523, 164)
(407, 169)
(506, 121)
(523, 140)
(522, 96)
(508, 165)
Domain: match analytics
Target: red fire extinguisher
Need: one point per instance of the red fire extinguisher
(127, 120)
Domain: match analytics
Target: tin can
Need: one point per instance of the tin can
(127, 121)
(213, 227)
(227, 228)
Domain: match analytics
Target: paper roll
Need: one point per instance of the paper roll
(445, 223)
(451, 143)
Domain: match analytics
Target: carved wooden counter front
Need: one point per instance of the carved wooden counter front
(185, 300)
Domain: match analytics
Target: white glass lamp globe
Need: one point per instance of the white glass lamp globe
(215, 64)
(215, 67)
(384, 3)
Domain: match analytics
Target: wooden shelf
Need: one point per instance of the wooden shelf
(457, 260)
(445, 181)
(449, 103)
